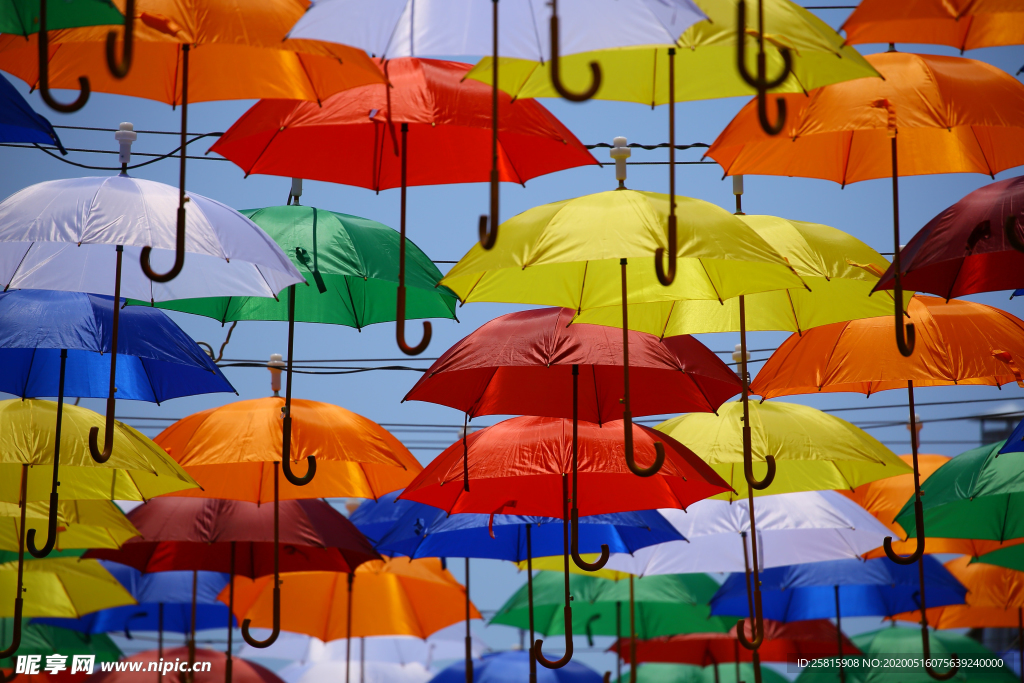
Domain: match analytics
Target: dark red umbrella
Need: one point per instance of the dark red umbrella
(428, 126)
(521, 466)
(973, 246)
(244, 672)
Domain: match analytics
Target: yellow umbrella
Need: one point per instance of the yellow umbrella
(814, 451)
(554, 563)
(80, 524)
(63, 587)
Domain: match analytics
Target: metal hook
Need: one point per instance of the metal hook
(538, 652)
(667, 278)
(179, 239)
(400, 314)
(108, 426)
(1010, 231)
(286, 430)
(761, 82)
(51, 528)
(575, 548)
(627, 415)
(556, 78)
(43, 41)
(489, 237)
(119, 68)
(276, 631)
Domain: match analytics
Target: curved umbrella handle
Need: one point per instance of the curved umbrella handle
(119, 68)
(919, 551)
(927, 652)
(179, 254)
(667, 277)
(556, 75)
(43, 42)
(51, 532)
(286, 465)
(488, 237)
(761, 82)
(16, 626)
(1010, 231)
(400, 329)
(589, 631)
(575, 549)
(51, 528)
(659, 457)
(558, 663)
(137, 615)
(752, 481)
(101, 456)
(277, 623)
(905, 344)
(758, 625)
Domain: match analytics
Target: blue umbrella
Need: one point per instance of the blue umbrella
(19, 123)
(165, 604)
(56, 343)
(513, 667)
(1014, 442)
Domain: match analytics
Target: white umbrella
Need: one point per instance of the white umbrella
(374, 672)
(792, 528)
(71, 235)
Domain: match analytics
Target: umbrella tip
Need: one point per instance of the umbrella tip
(274, 365)
(295, 192)
(125, 136)
(620, 152)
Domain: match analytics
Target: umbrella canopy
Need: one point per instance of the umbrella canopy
(813, 450)
(164, 604)
(838, 269)
(351, 260)
(974, 495)
(234, 55)
(356, 457)
(705, 60)
(520, 465)
(80, 524)
(965, 248)
(513, 667)
(960, 343)
(665, 605)
(156, 361)
(22, 17)
(441, 112)
(418, 530)
(390, 597)
(38, 638)
(242, 671)
(865, 588)
(51, 242)
(995, 598)
(18, 121)
(884, 499)
(792, 528)
(62, 587)
(138, 469)
(686, 673)
(952, 115)
(812, 639)
(521, 363)
(237, 537)
(963, 24)
(365, 672)
(906, 643)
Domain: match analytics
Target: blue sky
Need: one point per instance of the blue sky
(442, 221)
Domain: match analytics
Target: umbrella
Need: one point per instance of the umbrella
(857, 588)
(806, 526)
(512, 667)
(39, 638)
(79, 524)
(240, 55)
(435, 104)
(686, 673)
(904, 643)
(214, 666)
(959, 24)
(518, 364)
(884, 498)
(368, 672)
(59, 587)
(356, 453)
(356, 257)
(969, 247)
(40, 329)
(19, 123)
(52, 242)
(948, 114)
(401, 29)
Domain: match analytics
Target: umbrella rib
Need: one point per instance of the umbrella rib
(330, 600)
(305, 72)
(149, 380)
(476, 402)
(15, 273)
(28, 374)
(701, 390)
(671, 312)
(597, 401)
(991, 173)
(710, 281)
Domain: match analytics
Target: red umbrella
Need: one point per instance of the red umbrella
(530, 363)
(443, 119)
(971, 247)
(521, 466)
(208, 534)
(245, 672)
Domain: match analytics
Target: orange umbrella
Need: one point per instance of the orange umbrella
(399, 597)
(963, 24)
(962, 343)
(937, 114)
(239, 54)
(995, 599)
(886, 497)
(234, 451)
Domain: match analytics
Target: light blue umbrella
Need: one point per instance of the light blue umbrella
(514, 667)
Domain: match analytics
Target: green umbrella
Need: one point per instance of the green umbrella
(41, 639)
(687, 673)
(905, 643)
(978, 494)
